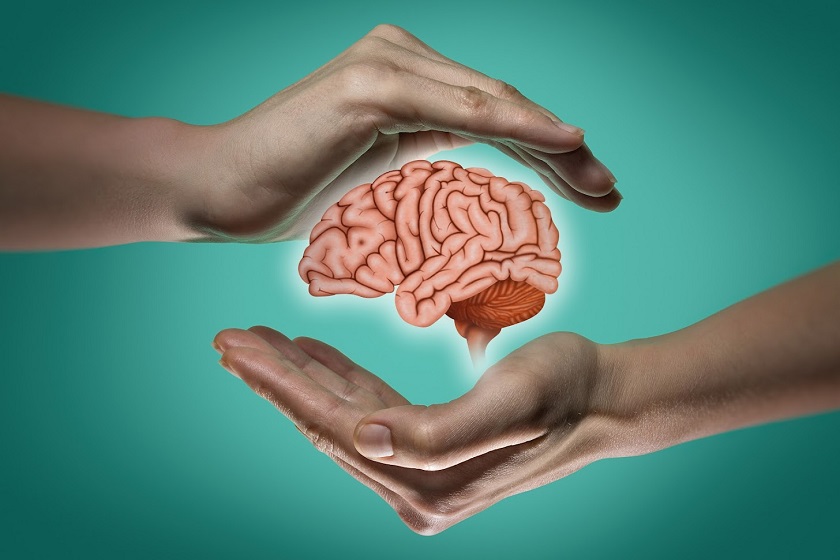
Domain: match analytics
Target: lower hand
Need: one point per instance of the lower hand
(389, 99)
(530, 419)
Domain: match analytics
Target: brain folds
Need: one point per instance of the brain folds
(451, 240)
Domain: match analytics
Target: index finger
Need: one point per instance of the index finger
(306, 403)
(578, 170)
(452, 71)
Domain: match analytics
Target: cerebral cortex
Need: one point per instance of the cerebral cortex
(452, 241)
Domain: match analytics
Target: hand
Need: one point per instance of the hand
(389, 99)
(73, 178)
(556, 404)
(528, 421)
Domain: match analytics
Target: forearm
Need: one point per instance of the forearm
(770, 357)
(71, 178)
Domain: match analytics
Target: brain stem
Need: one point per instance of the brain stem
(480, 318)
(477, 340)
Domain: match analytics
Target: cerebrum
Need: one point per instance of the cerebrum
(456, 241)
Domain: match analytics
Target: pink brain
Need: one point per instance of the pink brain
(441, 233)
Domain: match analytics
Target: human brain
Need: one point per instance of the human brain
(455, 241)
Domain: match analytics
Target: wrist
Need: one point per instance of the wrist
(638, 398)
(222, 197)
(184, 167)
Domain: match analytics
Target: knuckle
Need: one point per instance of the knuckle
(367, 72)
(473, 99)
(363, 88)
(505, 90)
(369, 46)
(390, 31)
(522, 119)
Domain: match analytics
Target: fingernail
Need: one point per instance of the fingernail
(216, 347)
(374, 441)
(570, 128)
(227, 366)
(610, 176)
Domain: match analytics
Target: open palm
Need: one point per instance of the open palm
(524, 424)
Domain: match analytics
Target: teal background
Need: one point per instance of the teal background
(122, 438)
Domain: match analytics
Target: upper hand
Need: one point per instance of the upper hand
(387, 100)
(529, 420)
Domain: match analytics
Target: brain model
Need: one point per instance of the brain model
(458, 242)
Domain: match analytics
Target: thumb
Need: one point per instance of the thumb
(501, 411)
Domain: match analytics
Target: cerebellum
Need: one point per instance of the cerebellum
(480, 318)
(454, 241)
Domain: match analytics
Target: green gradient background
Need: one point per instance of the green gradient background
(122, 438)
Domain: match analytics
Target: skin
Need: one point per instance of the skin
(71, 178)
(555, 405)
